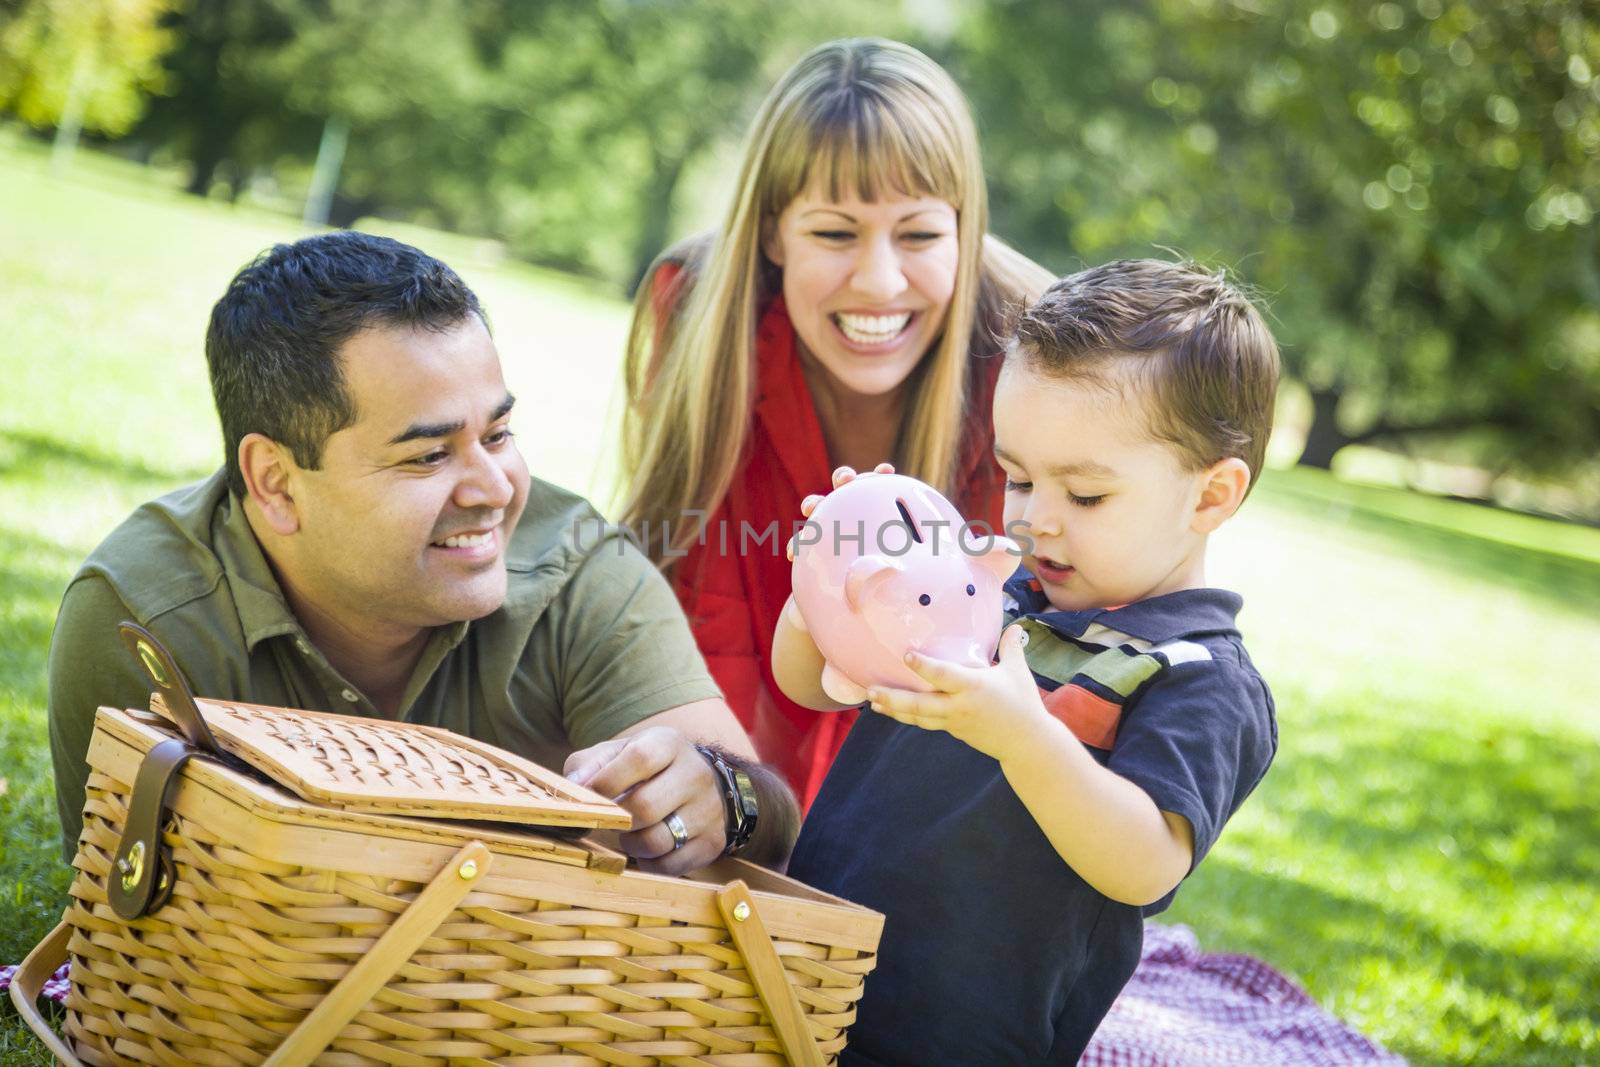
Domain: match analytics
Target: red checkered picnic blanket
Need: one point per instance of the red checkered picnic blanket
(1187, 1008)
(55, 987)
(1183, 1008)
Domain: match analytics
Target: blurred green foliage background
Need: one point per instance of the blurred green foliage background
(1411, 185)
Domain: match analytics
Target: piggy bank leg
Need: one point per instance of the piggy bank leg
(840, 688)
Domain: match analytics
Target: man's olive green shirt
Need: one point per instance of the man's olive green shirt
(590, 639)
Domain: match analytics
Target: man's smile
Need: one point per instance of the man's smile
(478, 545)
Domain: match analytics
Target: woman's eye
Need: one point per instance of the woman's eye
(921, 236)
(833, 235)
(1086, 501)
(1017, 487)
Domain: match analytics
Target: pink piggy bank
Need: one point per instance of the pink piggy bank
(886, 566)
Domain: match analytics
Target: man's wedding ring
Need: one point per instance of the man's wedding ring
(679, 832)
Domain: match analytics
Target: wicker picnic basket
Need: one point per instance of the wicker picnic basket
(370, 905)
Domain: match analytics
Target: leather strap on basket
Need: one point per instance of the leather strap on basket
(142, 875)
(170, 683)
(374, 970)
(28, 983)
(766, 971)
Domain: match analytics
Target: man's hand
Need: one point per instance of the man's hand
(655, 773)
(994, 709)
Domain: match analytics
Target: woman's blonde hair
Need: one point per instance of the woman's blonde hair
(867, 116)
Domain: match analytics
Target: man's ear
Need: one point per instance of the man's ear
(1222, 489)
(267, 466)
(771, 246)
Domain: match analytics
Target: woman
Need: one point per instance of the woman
(843, 313)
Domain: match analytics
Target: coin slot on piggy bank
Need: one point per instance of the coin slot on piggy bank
(892, 568)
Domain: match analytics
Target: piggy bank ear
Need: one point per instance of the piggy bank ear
(1000, 559)
(864, 574)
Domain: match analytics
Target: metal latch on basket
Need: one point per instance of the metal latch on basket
(142, 874)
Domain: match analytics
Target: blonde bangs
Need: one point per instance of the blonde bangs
(874, 142)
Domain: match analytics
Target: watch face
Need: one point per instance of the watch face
(747, 793)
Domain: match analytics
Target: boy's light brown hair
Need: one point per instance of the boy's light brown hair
(1203, 359)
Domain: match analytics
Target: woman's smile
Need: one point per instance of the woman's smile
(873, 332)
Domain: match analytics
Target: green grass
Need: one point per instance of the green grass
(1424, 856)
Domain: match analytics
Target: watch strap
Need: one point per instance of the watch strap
(740, 809)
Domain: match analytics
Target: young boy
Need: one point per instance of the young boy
(1018, 825)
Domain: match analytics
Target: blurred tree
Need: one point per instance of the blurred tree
(631, 96)
(602, 107)
(416, 81)
(81, 64)
(1412, 185)
(223, 105)
(563, 126)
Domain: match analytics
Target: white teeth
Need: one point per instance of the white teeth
(467, 540)
(872, 329)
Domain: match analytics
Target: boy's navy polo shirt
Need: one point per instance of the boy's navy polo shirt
(994, 950)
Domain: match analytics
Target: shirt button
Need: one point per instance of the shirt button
(350, 695)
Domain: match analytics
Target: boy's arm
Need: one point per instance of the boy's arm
(796, 663)
(1103, 825)
(1106, 827)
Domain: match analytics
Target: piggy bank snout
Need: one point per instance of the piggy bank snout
(932, 612)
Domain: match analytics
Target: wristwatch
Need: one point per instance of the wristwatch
(738, 799)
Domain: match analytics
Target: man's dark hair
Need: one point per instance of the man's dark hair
(273, 344)
(1202, 356)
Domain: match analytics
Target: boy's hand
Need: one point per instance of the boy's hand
(841, 475)
(993, 709)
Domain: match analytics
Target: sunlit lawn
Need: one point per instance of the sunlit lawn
(1424, 856)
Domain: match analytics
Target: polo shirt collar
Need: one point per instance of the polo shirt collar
(1186, 613)
(263, 612)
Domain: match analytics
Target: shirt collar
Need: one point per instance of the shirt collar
(1186, 613)
(263, 611)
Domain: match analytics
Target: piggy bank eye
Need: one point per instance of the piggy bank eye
(971, 591)
(924, 600)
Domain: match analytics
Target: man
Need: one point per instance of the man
(374, 545)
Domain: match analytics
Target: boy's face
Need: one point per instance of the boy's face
(1111, 511)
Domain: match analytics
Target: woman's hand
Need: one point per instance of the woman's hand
(997, 710)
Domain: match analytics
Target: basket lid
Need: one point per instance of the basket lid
(399, 768)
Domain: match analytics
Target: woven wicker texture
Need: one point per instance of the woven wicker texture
(373, 765)
(525, 971)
